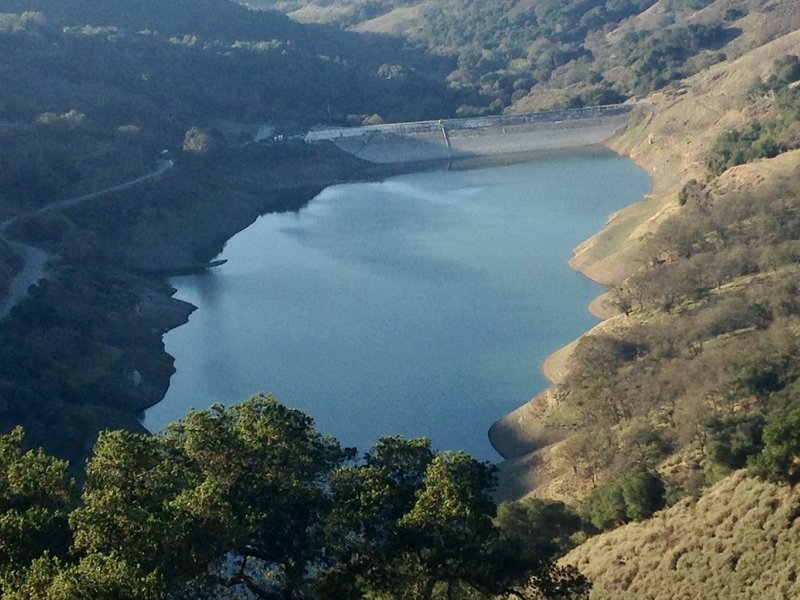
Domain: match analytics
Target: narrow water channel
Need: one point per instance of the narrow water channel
(422, 305)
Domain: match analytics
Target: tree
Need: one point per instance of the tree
(779, 461)
(373, 119)
(412, 524)
(450, 521)
(249, 481)
(96, 577)
(544, 528)
(197, 141)
(368, 501)
(137, 506)
(730, 441)
(605, 506)
(450, 537)
(634, 495)
(274, 471)
(643, 492)
(36, 494)
(251, 501)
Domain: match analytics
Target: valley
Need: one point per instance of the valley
(682, 400)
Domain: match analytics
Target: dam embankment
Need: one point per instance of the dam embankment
(480, 136)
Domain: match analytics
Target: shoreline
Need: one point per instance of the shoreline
(518, 434)
(194, 229)
(669, 138)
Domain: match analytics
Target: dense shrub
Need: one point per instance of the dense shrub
(730, 442)
(779, 461)
(636, 494)
(768, 137)
(544, 528)
(657, 57)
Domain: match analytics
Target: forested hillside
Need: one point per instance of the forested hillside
(536, 54)
(696, 375)
(131, 78)
(703, 278)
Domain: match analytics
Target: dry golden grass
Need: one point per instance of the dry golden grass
(404, 20)
(674, 143)
(740, 540)
(673, 138)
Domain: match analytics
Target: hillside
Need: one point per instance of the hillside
(92, 92)
(690, 377)
(672, 141)
(697, 358)
(738, 541)
(535, 54)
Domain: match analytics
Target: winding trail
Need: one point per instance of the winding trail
(34, 259)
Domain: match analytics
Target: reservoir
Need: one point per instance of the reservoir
(422, 305)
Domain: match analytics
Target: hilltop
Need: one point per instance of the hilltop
(535, 54)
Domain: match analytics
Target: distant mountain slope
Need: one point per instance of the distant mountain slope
(209, 18)
(90, 91)
(534, 54)
(739, 541)
(221, 20)
(289, 65)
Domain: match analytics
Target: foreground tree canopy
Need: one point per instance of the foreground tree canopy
(251, 501)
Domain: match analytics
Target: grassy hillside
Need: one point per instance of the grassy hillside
(738, 541)
(678, 357)
(694, 373)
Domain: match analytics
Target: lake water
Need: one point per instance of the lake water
(422, 305)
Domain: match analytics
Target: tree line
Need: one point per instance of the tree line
(252, 501)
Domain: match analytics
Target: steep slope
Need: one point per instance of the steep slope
(535, 54)
(203, 59)
(740, 540)
(672, 140)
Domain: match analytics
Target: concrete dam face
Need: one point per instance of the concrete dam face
(483, 136)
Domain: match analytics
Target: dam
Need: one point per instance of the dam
(479, 136)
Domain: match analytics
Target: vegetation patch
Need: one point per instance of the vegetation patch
(251, 500)
(740, 538)
(768, 137)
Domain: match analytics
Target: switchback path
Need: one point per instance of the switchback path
(34, 259)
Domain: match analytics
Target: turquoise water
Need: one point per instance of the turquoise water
(422, 305)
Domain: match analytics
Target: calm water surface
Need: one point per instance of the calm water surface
(422, 305)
